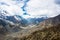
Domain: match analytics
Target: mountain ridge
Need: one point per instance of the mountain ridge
(46, 28)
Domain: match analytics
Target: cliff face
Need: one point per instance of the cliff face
(46, 30)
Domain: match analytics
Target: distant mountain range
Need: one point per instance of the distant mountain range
(51, 21)
(13, 23)
(19, 19)
(7, 26)
(48, 29)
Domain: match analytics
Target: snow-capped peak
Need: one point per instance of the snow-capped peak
(17, 18)
(4, 12)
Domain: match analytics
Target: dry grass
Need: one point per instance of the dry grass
(52, 33)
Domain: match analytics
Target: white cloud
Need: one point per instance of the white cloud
(42, 7)
(13, 8)
(35, 8)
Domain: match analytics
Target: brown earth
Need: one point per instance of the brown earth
(46, 30)
(52, 33)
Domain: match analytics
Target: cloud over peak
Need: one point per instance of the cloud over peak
(43, 7)
(34, 8)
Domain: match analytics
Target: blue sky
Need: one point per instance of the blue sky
(35, 8)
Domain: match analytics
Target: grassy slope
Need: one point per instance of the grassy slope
(52, 33)
(46, 30)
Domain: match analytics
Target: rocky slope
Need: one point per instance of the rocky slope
(46, 30)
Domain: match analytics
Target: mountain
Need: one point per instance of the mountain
(51, 21)
(19, 19)
(48, 29)
(10, 24)
(14, 23)
(16, 18)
